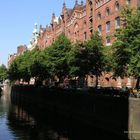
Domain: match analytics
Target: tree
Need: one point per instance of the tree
(13, 72)
(95, 55)
(19, 69)
(56, 57)
(37, 67)
(77, 60)
(30, 64)
(24, 63)
(3, 72)
(127, 44)
(108, 59)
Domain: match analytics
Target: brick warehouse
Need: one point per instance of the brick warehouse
(82, 20)
(79, 23)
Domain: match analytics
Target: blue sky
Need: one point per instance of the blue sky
(17, 18)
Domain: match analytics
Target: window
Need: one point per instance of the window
(108, 26)
(69, 33)
(91, 31)
(99, 16)
(90, 23)
(78, 33)
(91, 9)
(108, 41)
(99, 3)
(84, 24)
(117, 6)
(117, 22)
(85, 35)
(100, 29)
(107, 11)
(128, 2)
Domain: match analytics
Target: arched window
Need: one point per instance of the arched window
(85, 23)
(90, 23)
(117, 22)
(100, 29)
(117, 6)
(108, 26)
(76, 31)
(108, 41)
(107, 11)
(128, 2)
(68, 32)
(99, 16)
(91, 7)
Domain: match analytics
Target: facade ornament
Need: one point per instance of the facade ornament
(76, 2)
(82, 3)
(64, 5)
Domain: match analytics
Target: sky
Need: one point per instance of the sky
(17, 19)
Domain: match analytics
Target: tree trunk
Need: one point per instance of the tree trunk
(138, 81)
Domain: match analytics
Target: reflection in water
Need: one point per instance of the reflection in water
(18, 124)
(26, 128)
(5, 132)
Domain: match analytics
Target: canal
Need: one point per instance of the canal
(18, 123)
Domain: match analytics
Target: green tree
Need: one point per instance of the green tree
(56, 57)
(108, 59)
(24, 63)
(37, 67)
(3, 72)
(28, 65)
(95, 55)
(127, 45)
(77, 60)
(13, 72)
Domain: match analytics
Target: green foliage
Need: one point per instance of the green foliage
(108, 60)
(3, 72)
(134, 64)
(77, 60)
(56, 56)
(127, 45)
(19, 69)
(37, 66)
(121, 58)
(95, 54)
(13, 72)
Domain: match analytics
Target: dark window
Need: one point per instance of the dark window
(108, 26)
(117, 22)
(100, 29)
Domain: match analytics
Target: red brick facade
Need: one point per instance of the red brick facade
(81, 21)
(72, 22)
(20, 50)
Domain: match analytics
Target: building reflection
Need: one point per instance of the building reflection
(25, 127)
(51, 127)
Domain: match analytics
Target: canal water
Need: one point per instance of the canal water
(17, 123)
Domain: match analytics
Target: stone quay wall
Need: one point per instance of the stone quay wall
(113, 113)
